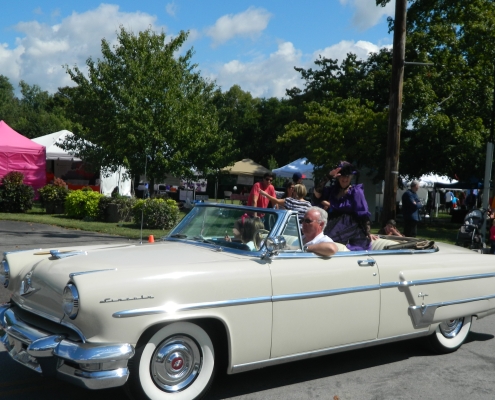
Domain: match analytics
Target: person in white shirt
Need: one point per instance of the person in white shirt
(314, 240)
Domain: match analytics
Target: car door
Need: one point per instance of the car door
(321, 302)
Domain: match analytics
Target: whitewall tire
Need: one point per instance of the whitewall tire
(450, 335)
(177, 362)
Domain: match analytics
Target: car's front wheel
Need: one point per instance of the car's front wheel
(450, 335)
(177, 362)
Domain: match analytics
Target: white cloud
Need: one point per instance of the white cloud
(171, 9)
(367, 14)
(340, 50)
(42, 49)
(249, 23)
(264, 77)
(271, 76)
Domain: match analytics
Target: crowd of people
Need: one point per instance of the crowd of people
(336, 200)
(338, 212)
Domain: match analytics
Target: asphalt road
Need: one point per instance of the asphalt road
(404, 370)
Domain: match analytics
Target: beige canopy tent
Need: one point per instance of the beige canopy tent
(245, 170)
(246, 167)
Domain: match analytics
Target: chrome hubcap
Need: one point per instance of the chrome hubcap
(451, 328)
(176, 363)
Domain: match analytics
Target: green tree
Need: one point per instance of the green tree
(8, 102)
(447, 107)
(141, 105)
(256, 124)
(450, 103)
(342, 111)
(35, 113)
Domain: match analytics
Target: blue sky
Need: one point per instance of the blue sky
(254, 44)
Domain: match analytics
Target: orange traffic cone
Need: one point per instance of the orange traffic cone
(151, 239)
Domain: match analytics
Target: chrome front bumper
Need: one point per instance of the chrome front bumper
(93, 366)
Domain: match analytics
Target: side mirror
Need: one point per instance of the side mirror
(275, 243)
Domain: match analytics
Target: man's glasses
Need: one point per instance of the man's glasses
(308, 221)
(268, 179)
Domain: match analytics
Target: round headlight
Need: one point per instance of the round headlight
(4, 273)
(70, 301)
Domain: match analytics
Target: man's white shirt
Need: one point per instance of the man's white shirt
(320, 238)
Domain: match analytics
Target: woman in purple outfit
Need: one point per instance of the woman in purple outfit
(348, 215)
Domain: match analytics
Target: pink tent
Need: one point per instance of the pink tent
(18, 153)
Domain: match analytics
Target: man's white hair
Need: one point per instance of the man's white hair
(323, 214)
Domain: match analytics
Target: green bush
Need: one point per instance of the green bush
(53, 193)
(157, 213)
(15, 196)
(82, 204)
(124, 207)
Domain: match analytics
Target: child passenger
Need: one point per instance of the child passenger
(390, 229)
(250, 233)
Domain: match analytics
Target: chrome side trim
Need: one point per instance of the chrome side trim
(172, 307)
(423, 315)
(324, 293)
(318, 353)
(72, 275)
(436, 280)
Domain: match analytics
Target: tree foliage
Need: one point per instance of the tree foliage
(342, 111)
(255, 124)
(449, 105)
(34, 114)
(142, 106)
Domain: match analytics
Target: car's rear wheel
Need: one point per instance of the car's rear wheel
(450, 335)
(177, 362)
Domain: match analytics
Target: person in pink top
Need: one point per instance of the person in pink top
(255, 198)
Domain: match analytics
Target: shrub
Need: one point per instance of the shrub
(53, 194)
(124, 207)
(157, 213)
(82, 204)
(15, 196)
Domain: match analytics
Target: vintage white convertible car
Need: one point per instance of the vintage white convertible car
(162, 318)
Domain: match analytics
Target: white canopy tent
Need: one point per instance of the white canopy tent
(301, 165)
(429, 180)
(53, 151)
(63, 158)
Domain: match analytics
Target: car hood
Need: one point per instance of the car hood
(41, 278)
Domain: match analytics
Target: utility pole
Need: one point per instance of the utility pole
(489, 163)
(395, 112)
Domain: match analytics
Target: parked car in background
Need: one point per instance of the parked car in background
(163, 318)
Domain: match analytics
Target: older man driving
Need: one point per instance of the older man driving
(314, 239)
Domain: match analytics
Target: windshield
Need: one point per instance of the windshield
(235, 228)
